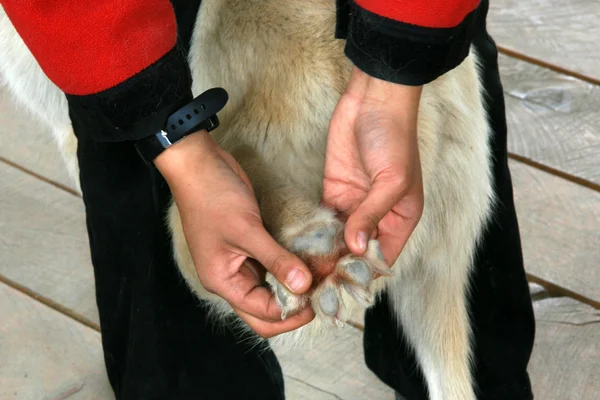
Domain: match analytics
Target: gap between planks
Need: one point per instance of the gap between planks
(558, 291)
(547, 65)
(556, 172)
(50, 303)
(40, 177)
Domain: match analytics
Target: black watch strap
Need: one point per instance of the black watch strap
(200, 113)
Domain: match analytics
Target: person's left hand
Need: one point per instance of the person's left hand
(372, 167)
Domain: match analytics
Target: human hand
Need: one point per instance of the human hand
(372, 167)
(225, 234)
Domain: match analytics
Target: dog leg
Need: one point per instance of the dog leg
(316, 236)
(433, 311)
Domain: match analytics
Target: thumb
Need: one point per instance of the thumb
(283, 265)
(363, 221)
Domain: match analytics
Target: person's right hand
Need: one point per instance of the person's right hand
(224, 232)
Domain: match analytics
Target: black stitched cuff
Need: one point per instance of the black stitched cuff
(139, 106)
(401, 53)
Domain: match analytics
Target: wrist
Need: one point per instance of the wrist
(186, 155)
(199, 114)
(389, 94)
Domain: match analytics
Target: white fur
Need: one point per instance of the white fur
(285, 72)
(21, 73)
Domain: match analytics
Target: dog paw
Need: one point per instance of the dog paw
(319, 243)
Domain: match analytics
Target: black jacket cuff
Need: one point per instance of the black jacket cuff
(401, 53)
(139, 106)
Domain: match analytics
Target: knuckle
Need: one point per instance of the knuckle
(276, 265)
(400, 182)
(209, 287)
(372, 219)
(207, 282)
(263, 333)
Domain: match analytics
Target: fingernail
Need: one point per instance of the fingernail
(295, 280)
(361, 241)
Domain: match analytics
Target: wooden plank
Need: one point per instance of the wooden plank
(298, 390)
(552, 119)
(559, 32)
(43, 242)
(565, 364)
(335, 365)
(28, 142)
(560, 229)
(45, 355)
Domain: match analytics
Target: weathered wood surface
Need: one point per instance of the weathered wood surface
(26, 141)
(43, 241)
(46, 355)
(560, 32)
(560, 229)
(565, 364)
(552, 119)
(336, 366)
(298, 390)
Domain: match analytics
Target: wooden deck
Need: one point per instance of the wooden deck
(49, 341)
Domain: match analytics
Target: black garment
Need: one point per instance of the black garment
(399, 52)
(159, 344)
(157, 341)
(500, 304)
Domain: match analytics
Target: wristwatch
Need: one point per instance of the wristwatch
(200, 113)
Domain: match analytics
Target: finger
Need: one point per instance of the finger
(270, 329)
(246, 292)
(363, 221)
(283, 265)
(396, 229)
(391, 246)
(257, 270)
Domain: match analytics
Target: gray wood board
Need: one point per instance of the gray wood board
(43, 242)
(552, 119)
(559, 32)
(335, 365)
(46, 355)
(565, 364)
(560, 229)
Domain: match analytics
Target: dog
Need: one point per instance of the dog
(285, 72)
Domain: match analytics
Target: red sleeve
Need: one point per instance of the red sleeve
(424, 13)
(86, 47)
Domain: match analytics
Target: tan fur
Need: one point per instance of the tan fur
(285, 72)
